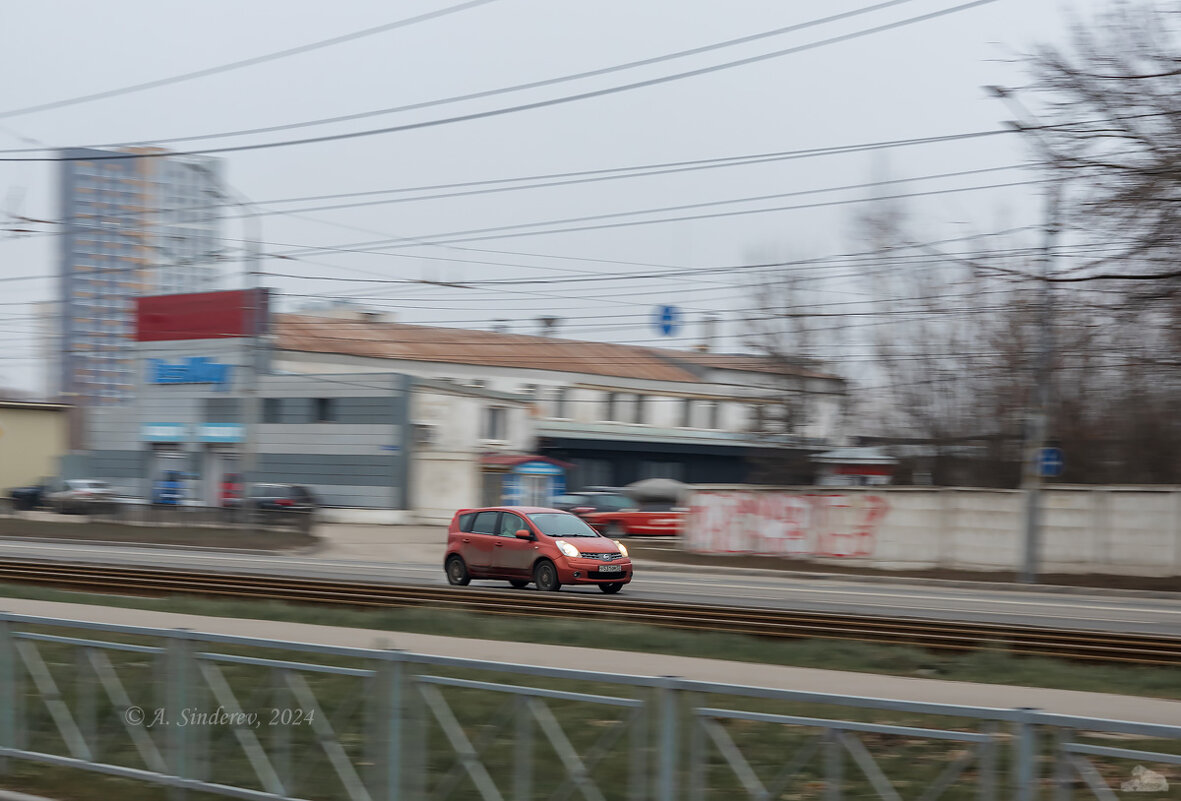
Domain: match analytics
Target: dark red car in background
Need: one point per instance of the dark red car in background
(618, 515)
(523, 544)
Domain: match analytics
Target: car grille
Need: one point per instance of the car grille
(604, 557)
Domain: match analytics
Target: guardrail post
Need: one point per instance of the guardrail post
(1025, 757)
(834, 765)
(523, 751)
(669, 699)
(987, 763)
(389, 710)
(177, 677)
(8, 691)
(84, 681)
(281, 734)
(1062, 768)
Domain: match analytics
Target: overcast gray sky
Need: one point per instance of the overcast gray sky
(917, 81)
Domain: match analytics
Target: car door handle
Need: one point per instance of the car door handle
(500, 545)
(467, 539)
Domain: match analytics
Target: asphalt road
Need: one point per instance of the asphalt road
(417, 564)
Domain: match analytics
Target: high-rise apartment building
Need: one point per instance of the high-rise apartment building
(134, 222)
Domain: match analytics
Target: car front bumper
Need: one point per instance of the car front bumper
(586, 571)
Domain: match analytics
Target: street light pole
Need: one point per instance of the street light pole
(1037, 424)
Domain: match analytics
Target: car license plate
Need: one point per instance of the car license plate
(610, 568)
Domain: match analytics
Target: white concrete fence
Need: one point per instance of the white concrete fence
(1110, 529)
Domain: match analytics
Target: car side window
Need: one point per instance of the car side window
(465, 521)
(485, 523)
(510, 525)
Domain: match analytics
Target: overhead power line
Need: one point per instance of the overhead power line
(248, 62)
(610, 90)
(548, 180)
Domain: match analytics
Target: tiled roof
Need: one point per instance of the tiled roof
(465, 346)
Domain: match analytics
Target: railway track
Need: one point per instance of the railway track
(1093, 646)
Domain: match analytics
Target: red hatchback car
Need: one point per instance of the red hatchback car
(522, 544)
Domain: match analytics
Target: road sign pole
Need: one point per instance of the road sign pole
(1035, 442)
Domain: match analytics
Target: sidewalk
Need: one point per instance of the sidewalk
(1069, 702)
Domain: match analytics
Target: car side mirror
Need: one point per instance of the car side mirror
(524, 534)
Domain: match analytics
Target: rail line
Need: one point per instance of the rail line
(1079, 644)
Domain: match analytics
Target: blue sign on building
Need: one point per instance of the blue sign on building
(193, 370)
(668, 320)
(219, 432)
(163, 432)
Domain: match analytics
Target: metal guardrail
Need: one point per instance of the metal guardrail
(260, 719)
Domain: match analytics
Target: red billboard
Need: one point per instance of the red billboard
(202, 315)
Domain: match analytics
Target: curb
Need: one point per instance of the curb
(982, 584)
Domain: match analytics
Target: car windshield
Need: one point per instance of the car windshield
(557, 524)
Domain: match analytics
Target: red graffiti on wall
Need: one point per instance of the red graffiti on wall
(827, 524)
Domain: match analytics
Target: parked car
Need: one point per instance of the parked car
(523, 544)
(30, 497)
(280, 498)
(80, 496)
(618, 515)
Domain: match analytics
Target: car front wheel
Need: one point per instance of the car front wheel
(457, 572)
(545, 576)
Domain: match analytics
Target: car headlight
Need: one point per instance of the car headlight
(566, 548)
(622, 547)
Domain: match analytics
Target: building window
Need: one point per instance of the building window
(757, 421)
(687, 413)
(713, 414)
(494, 423)
(325, 410)
(639, 416)
(673, 470)
(612, 402)
(561, 402)
(271, 410)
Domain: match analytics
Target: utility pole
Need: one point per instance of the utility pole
(250, 412)
(1035, 441)
(1037, 424)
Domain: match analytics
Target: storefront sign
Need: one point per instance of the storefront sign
(219, 432)
(194, 370)
(163, 432)
(538, 469)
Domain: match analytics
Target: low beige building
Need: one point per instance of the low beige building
(32, 440)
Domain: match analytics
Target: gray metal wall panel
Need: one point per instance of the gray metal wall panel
(221, 410)
(118, 464)
(326, 468)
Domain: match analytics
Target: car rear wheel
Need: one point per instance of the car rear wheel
(457, 572)
(610, 589)
(545, 576)
(519, 584)
(615, 531)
